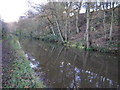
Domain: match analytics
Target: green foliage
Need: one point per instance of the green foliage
(101, 49)
(22, 76)
(89, 49)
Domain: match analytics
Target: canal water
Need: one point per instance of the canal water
(61, 67)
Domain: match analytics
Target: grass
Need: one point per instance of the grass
(21, 75)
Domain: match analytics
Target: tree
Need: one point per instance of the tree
(104, 14)
(77, 15)
(88, 25)
(56, 15)
(111, 27)
(51, 24)
(67, 6)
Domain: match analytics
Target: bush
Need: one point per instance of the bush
(51, 38)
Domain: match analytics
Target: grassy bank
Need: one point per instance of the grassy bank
(20, 73)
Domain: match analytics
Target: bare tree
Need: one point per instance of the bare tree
(111, 27)
(77, 16)
(51, 26)
(104, 14)
(88, 25)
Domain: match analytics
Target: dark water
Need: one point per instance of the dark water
(60, 67)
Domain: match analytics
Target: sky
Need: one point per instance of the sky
(10, 10)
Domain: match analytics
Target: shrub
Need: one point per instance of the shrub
(51, 38)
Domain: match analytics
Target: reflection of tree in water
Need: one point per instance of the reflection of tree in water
(64, 67)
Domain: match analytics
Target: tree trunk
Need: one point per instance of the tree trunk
(52, 30)
(66, 28)
(77, 29)
(111, 27)
(51, 26)
(77, 17)
(104, 22)
(58, 27)
(88, 25)
(67, 22)
(96, 6)
(69, 27)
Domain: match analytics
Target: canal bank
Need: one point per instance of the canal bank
(16, 68)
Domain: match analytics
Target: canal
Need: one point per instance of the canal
(62, 67)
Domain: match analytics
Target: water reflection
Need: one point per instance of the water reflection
(65, 67)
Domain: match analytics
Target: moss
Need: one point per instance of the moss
(77, 45)
(73, 45)
(81, 47)
(67, 43)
